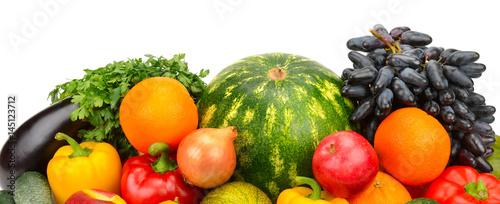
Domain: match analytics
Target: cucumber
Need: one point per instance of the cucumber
(32, 187)
(6, 197)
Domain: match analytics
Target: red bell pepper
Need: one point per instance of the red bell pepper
(148, 179)
(463, 184)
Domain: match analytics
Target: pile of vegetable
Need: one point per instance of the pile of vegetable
(270, 128)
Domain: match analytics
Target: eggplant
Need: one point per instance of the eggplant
(32, 144)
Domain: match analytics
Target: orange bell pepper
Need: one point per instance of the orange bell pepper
(304, 195)
(89, 165)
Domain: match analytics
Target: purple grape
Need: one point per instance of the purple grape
(415, 38)
(435, 75)
(397, 31)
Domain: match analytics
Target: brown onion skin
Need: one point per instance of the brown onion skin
(206, 156)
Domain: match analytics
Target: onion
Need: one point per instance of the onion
(206, 156)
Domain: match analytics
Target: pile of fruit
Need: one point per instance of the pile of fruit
(404, 125)
(401, 70)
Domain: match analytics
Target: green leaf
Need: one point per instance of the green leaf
(195, 89)
(79, 114)
(204, 73)
(83, 113)
(54, 94)
(98, 102)
(77, 99)
(183, 79)
(74, 114)
(115, 96)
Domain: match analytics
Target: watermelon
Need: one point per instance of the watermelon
(282, 105)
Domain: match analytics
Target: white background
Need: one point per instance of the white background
(44, 43)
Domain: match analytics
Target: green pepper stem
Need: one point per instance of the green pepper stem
(78, 151)
(477, 190)
(163, 163)
(316, 194)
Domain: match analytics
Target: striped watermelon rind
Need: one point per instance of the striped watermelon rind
(279, 121)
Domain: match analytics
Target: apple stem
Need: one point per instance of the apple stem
(316, 194)
(332, 148)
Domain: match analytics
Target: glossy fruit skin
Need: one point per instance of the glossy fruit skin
(345, 163)
(140, 183)
(451, 186)
(280, 118)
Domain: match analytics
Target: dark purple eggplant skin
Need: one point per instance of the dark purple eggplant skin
(32, 144)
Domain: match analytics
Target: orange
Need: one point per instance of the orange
(157, 109)
(384, 190)
(412, 146)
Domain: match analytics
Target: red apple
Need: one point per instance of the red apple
(345, 163)
(94, 196)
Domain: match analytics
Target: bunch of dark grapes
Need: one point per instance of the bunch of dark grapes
(398, 69)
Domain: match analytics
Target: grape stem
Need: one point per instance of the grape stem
(377, 35)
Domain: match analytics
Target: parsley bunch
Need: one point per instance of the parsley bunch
(100, 92)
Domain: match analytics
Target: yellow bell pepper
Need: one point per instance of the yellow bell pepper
(175, 201)
(89, 165)
(304, 195)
